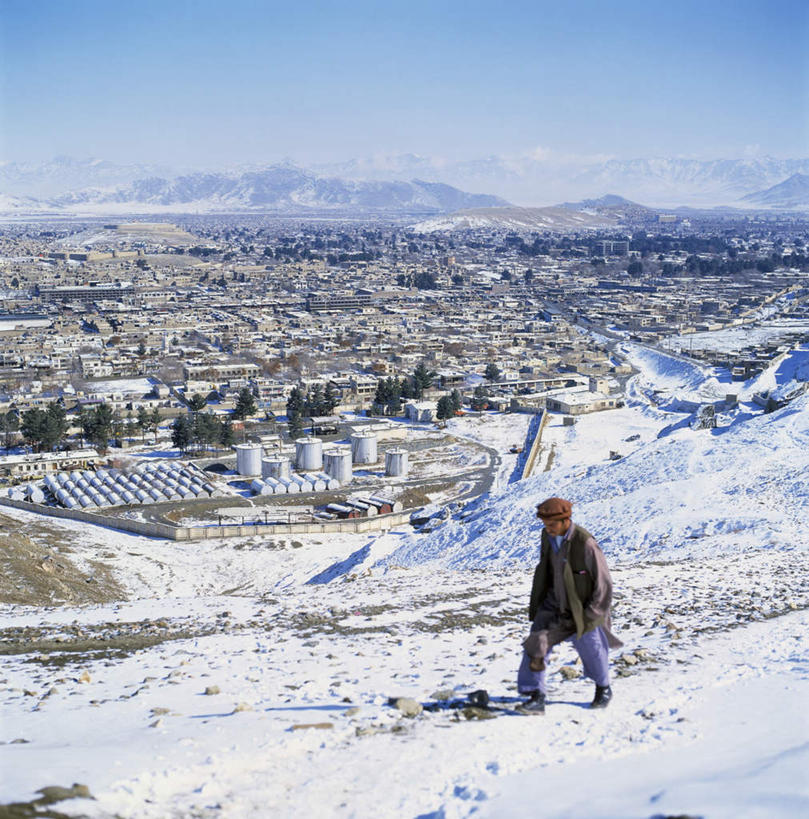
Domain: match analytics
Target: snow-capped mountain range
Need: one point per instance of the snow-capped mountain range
(531, 181)
(280, 188)
(401, 183)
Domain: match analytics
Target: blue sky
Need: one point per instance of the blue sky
(213, 83)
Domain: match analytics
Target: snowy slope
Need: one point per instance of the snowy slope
(300, 643)
(687, 494)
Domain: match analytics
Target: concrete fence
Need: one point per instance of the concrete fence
(378, 523)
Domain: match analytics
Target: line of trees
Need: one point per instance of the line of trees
(201, 430)
(44, 429)
(316, 402)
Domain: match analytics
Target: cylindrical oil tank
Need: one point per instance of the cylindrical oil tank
(363, 448)
(51, 482)
(128, 497)
(390, 504)
(277, 487)
(338, 463)
(96, 482)
(88, 475)
(318, 484)
(62, 495)
(367, 509)
(83, 484)
(329, 483)
(63, 478)
(143, 496)
(34, 494)
(396, 463)
(309, 454)
(75, 476)
(290, 485)
(84, 500)
(275, 467)
(302, 482)
(248, 459)
(156, 495)
(259, 487)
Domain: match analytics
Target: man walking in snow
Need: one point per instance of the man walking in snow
(570, 600)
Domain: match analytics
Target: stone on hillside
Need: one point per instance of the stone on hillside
(318, 725)
(568, 672)
(56, 793)
(477, 713)
(442, 695)
(408, 707)
(211, 690)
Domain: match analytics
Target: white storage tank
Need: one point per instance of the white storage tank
(309, 454)
(277, 487)
(34, 494)
(275, 467)
(248, 459)
(304, 484)
(328, 482)
(260, 487)
(396, 463)
(318, 484)
(363, 448)
(290, 485)
(338, 464)
(143, 496)
(63, 478)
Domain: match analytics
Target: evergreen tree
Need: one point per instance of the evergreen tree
(295, 425)
(226, 433)
(457, 400)
(196, 403)
(422, 379)
(154, 422)
(295, 402)
(330, 399)
(142, 421)
(479, 398)
(181, 432)
(492, 372)
(245, 404)
(445, 408)
(9, 425)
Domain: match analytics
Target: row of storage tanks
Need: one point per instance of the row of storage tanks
(149, 483)
(331, 465)
(361, 507)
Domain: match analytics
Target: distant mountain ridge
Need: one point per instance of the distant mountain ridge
(404, 181)
(792, 193)
(531, 181)
(281, 188)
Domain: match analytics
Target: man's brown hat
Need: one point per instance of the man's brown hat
(554, 509)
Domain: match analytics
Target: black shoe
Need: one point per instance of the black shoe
(602, 697)
(535, 704)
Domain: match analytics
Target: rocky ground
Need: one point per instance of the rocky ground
(233, 706)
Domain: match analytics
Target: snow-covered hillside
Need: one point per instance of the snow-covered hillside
(519, 219)
(253, 677)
